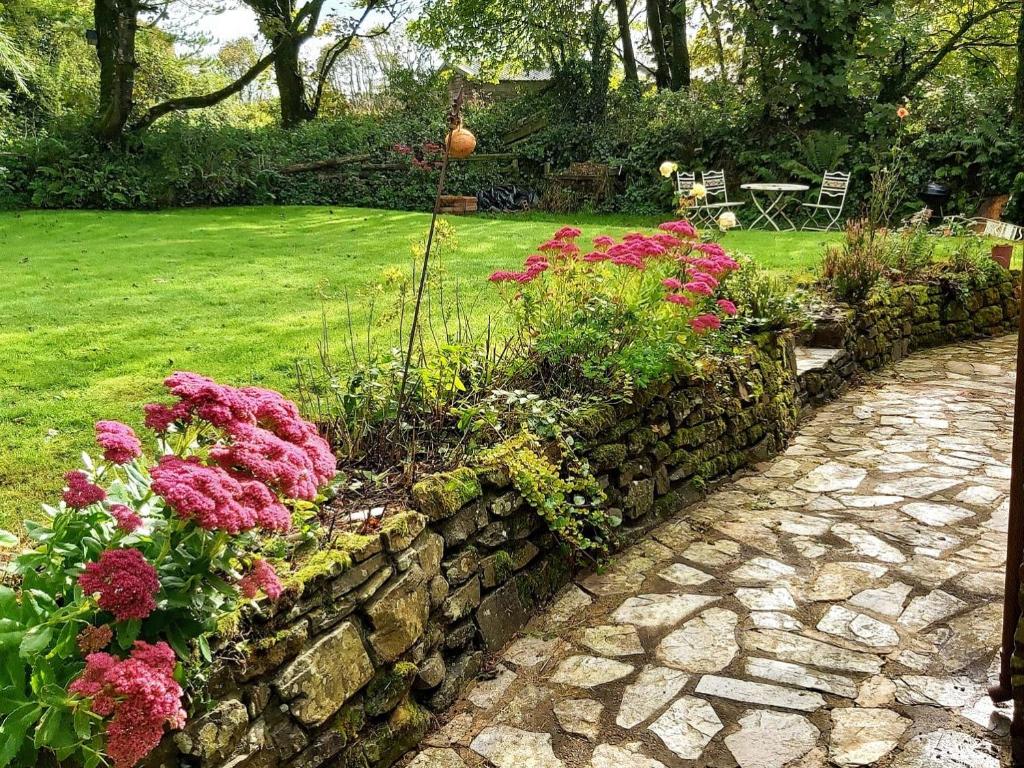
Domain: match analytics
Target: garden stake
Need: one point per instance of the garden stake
(454, 121)
(1003, 690)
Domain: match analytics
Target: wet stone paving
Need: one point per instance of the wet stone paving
(839, 605)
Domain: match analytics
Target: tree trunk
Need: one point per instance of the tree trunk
(655, 25)
(295, 108)
(1018, 91)
(626, 36)
(679, 52)
(116, 27)
(723, 71)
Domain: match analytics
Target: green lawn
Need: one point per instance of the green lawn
(97, 308)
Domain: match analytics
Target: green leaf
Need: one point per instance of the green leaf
(13, 730)
(35, 641)
(8, 540)
(128, 633)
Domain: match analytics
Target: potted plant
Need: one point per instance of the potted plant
(1002, 253)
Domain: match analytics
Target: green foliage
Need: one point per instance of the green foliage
(562, 490)
(765, 301)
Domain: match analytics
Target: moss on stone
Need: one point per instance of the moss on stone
(322, 564)
(389, 687)
(442, 495)
(229, 624)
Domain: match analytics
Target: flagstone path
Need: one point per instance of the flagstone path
(839, 605)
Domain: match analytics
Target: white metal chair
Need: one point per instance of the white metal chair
(684, 183)
(716, 199)
(834, 185)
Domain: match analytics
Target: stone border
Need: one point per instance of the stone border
(379, 632)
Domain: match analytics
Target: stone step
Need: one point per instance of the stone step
(815, 358)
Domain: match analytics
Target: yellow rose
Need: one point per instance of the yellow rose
(698, 192)
(727, 221)
(668, 168)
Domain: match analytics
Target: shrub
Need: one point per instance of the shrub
(635, 308)
(132, 570)
(764, 301)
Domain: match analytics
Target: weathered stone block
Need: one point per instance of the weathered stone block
(459, 568)
(466, 522)
(462, 601)
(442, 495)
(213, 736)
(399, 531)
(265, 654)
(398, 613)
(388, 688)
(327, 675)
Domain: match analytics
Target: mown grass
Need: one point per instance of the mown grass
(97, 308)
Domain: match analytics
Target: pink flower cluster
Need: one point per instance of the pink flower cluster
(80, 492)
(126, 583)
(561, 245)
(141, 694)
(262, 576)
(269, 440)
(216, 499)
(118, 441)
(126, 519)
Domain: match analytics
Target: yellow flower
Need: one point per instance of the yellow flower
(668, 168)
(698, 192)
(727, 221)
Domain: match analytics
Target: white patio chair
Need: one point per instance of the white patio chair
(834, 186)
(684, 183)
(716, 199)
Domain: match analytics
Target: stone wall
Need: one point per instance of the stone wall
(908, 318)
(378, 632)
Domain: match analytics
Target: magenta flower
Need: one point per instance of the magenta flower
(699, 287)
(261, 577)
(118, 441)
(127, 584)
(682, 228)
(81, 493)
(678, 298)
(595, 256)
(727, 306)
(127, 520)
(604, 241)
(705, 323)
(672, 283)
(567, 233)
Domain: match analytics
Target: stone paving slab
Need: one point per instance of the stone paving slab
(836, 606)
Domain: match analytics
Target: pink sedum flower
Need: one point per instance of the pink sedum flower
(672, 283)
(705, 323)
(678, 298)
(261, 577)
(207, 495)
(604, 242)
(141, 694)
(93, 639)
(698, 287)
(567, 233)
(81, 492)
(118, 441)
(126, 583)
(127, 520)
(727, 306)
(682, 228)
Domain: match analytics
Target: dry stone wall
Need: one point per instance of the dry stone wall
(378, 632)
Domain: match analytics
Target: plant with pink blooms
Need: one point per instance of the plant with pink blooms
(638, 306)
(133, 568)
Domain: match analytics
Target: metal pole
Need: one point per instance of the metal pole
(1003, 690)
(454, 118)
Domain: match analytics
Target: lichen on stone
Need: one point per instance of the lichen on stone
(442, 495)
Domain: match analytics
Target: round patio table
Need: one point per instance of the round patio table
(770, 200)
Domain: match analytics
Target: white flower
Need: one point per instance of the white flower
(668, 168)
(727, 221)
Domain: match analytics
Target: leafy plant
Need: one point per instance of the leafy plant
(130, 573)
(764, 300)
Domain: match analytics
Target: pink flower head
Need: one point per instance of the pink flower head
(699, 287)
(141, 694)
(682, 228)
(537, 258)
(667, 241)
(551, 245)
(159, 417)
(604, 241)
(270, 513)
(262, 576)
(678, 298)
(127, 584)
(261, 454)
(80, 492)
(727, 306)
(502, 276)
(207, 495)
(595, 256)
(672, 283)
(118, 441)
(703, 277)
(570, 249)
(712, 249)
(127, 520)
(705, 323)
(567, 233)
(220, 405)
